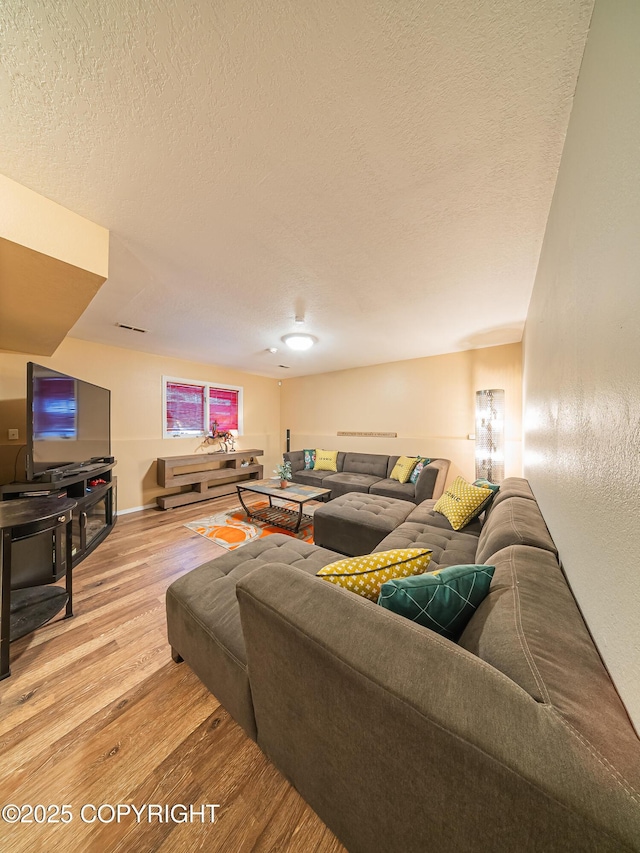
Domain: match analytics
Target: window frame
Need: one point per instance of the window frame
(208, 386)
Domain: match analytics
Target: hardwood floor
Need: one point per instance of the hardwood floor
(96, 712)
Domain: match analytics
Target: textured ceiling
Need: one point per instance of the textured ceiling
(384, 168)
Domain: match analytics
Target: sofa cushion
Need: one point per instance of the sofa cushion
(449, 547)
(345, 482)
(365, 575)
(529, 627)
(424, 513)
(326, 460)
(513, 487)
(444, 600)
(203, 621)
(517, 521)
(355, 523)
(462, 502)
(309, 459)
(389, 488)
(403, 468)
(312, 477)
(366, 463)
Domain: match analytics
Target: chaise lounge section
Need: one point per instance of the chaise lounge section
(511, 738)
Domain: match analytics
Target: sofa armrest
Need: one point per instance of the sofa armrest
(430, 483)
(402, 741)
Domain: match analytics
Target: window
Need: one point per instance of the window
(191, 408)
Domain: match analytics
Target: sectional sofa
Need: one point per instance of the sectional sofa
(511, 739)
(370, 473)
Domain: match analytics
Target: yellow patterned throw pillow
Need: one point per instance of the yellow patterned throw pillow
(403, 468)
(462, 502)
(365, 575)
(326, 460)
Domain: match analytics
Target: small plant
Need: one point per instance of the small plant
(283, 470)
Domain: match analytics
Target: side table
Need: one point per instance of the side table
(24, 610)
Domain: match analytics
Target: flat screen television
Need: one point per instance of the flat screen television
(68, 421)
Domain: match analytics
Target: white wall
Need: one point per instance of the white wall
(582, 349)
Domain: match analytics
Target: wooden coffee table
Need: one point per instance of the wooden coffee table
(280, 516)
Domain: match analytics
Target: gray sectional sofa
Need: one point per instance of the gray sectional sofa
(511, 739)
(370, 473)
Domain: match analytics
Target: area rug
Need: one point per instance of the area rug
(233, 529)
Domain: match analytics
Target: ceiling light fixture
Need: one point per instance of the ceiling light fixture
(299, 341)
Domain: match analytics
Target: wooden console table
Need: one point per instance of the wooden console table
(197, 472)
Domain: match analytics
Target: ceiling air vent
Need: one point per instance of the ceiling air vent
(132, 328)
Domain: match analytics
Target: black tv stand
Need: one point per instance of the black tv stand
(93, 519)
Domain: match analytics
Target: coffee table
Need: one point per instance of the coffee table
(280, 516)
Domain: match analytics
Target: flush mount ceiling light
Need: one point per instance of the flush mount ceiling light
(298, 341)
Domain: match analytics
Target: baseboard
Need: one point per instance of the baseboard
(137, 509)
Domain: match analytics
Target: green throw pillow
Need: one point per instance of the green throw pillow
(309, 459)
(422, 461)
(444, 600)
(487, 484)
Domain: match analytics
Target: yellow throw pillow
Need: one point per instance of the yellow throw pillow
(462, 502)
(326, 460)
(365, 575)
(403, 468)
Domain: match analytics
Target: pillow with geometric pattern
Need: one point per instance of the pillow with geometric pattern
(365, 575)
(462, 502)
(487, 484)
(444, 600)
(403, 468)
(326, 460)
(422, 461)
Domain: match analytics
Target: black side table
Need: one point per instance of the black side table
(24, 610)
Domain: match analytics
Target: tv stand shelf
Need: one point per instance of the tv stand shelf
(93, 519)
(195, 471)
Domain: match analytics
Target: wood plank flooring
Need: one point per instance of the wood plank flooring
(96, 712)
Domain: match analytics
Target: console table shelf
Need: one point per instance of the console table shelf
(202, 477)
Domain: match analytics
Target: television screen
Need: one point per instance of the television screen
(68, 420)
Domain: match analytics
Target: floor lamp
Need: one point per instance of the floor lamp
(490, 435)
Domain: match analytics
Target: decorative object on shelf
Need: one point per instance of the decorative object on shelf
(284, 472)
(490, 435)
(226, 439)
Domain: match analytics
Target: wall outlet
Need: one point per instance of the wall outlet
(13, 434)
(471, 436)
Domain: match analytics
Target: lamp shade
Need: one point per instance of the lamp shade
(490, 435)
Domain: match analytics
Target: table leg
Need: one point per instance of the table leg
(244, 506)
(297, 527)
(5, 611)
(69, 561)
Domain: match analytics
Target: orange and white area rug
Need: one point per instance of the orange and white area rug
(233, 529)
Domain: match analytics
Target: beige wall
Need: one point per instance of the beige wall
(135, 381)
(429, 402)
(581, 353)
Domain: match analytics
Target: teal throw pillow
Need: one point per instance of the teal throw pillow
(487, 484)
(422, 461)
(309, 459)
(444, 600)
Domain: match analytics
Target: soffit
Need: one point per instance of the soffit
(386, 169)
